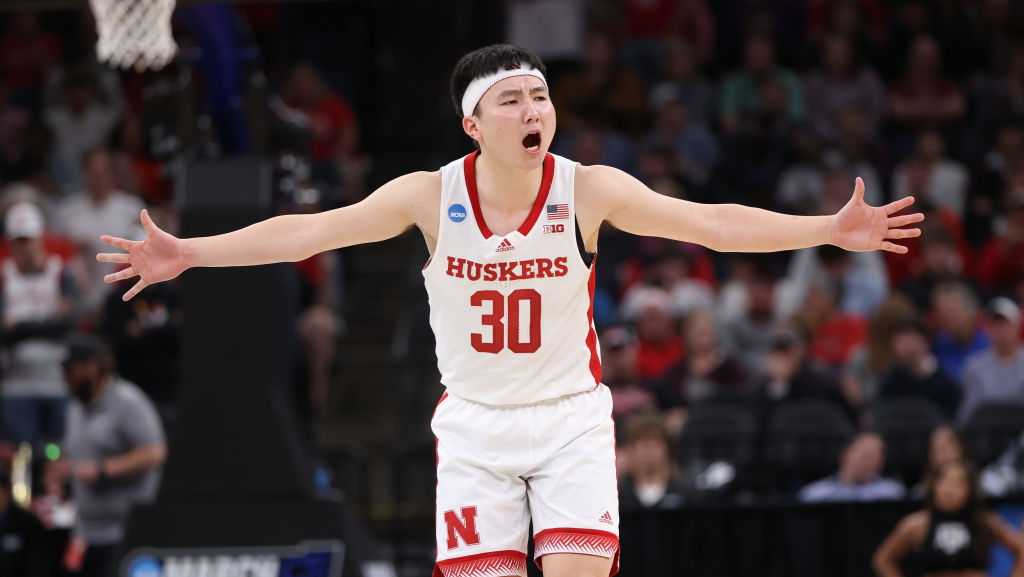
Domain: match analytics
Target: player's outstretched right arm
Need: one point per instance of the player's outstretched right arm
(288, 238)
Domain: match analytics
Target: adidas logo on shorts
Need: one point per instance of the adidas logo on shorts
(606, 518)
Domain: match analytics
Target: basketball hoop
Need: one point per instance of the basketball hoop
(134, 33)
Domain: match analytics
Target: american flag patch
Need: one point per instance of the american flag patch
(558, 211)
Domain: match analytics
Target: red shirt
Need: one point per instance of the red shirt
(1000, 264)
(836, 339)
(329, 118)
(52, 244)
(653, 359)
(902, 267)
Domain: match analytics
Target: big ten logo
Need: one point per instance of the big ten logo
(553, 228)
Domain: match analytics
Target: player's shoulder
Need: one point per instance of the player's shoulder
(420, 179)
(599, 187)
(596, 176)
(414, 186)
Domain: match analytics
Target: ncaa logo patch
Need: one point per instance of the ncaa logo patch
(457, 213)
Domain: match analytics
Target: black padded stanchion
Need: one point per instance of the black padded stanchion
(236, 493)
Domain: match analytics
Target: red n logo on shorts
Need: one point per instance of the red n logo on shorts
(465, 527)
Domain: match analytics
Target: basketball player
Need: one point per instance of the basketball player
(524, 428)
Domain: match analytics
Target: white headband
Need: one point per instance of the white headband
(476, 89)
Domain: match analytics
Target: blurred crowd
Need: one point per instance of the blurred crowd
(83, 149)
(781, 105)
(815, 375)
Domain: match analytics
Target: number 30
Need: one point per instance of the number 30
(495, 320)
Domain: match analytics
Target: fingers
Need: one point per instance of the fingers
(886, 246)
(898, 205)
(134, 290)
(121, 243)
(120, 275)
(903, 233)
(904, 220)
(147, 222)
(858, 190)
(116, 257)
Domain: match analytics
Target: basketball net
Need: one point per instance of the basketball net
(134, 33)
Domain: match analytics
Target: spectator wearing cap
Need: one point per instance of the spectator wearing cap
(101, 209)
(859, 477)
(37, 297)
(23, 550)
(916, 372)
(114, 450)
(653, 481)
(997, 373)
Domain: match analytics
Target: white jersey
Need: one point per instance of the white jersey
(33, 366)
(513, 314)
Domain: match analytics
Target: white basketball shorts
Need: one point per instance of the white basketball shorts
(498, 468)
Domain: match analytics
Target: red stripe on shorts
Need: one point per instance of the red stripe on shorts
(580, 541)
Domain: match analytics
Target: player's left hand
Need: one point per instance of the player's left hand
(860, 227)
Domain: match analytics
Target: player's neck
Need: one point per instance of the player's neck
(506, 187)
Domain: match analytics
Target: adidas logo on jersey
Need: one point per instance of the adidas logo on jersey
(505, 246)
(606, 518)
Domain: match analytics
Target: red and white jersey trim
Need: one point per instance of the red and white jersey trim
(496, 564)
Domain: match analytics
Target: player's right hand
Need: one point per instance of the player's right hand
(160, 257)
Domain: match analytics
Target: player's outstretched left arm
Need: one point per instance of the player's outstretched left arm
(631, 206)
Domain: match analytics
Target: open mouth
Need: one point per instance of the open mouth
(532, 142)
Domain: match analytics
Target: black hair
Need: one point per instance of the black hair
(488, 60)
(974, 510)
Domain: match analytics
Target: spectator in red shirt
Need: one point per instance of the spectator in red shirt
(941, 221)
(332, 122)
(660, 345)
(834, 334)
(1002, 259)
(133, 171)
(333, 128)
(691, 20)
(924, 97)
